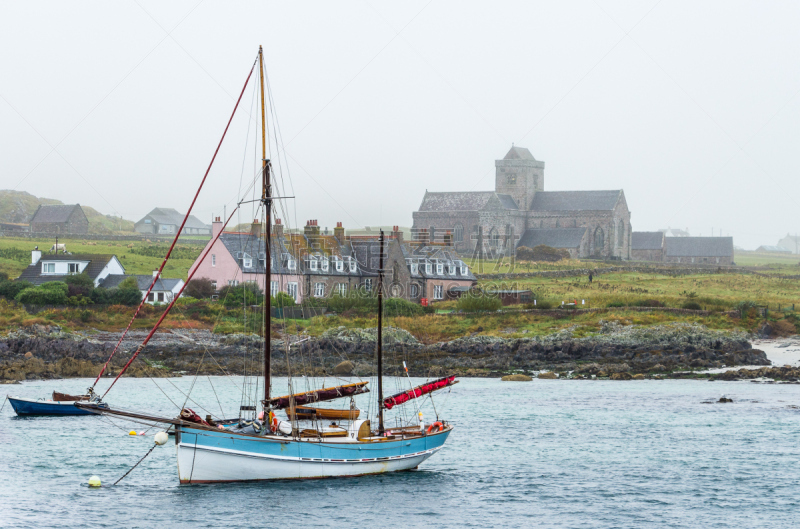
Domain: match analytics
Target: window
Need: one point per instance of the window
(414, 290)
(247, 261)
(324, 265)
(291, 289)
(368, 284)
(428, 268)
(511, 179)
(414, 268)
(291, 264)
(312, 264)
(438, 291)
(451, 269)
(151, 297)
(233, 282)
(273, 288)
(48, 268)
(319, 290)
(339, 265)
(464, 270)
(353, 265)
(214, 285)
(459, 233)
(439, 269)
(341, 289)
(717, 260)
(73, 268)
(693, 259)
(213, 259)
(160, 296)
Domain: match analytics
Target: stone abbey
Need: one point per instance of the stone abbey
(519, 212)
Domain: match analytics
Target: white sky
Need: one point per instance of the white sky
(691, 108)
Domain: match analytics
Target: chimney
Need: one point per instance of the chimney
(338, 232)
(308, 230)
(155, 273)
(277, 229)
(422, 236)
(36, 254)
(216, 227)
(255, 229)
(397, 234)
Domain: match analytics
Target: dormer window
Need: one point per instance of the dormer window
(324, 265)
(439, 269)
(339, 265)
(48, 268)
(451, 269)
(428, 268)
(312, 265)
(247, 261)
(464, 270)
(291, 264)
(73, 268)
(353, 266)
(414, 268)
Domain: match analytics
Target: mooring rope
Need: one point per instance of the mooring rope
(137, 463)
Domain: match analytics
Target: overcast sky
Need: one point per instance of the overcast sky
(690, 107)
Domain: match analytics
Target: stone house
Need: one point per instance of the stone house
(493, 222)
(56, 267)
(699, 250)
(60, 219)
(647, 246)
(166, 221)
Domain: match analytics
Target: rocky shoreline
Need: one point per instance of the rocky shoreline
(618, 352)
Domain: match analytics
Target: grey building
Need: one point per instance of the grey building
(647, 246)
(166, 221)
(699, 250)
(494, 222)
(574, 240)
(60, 219)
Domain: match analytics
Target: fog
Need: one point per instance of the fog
(689, 107)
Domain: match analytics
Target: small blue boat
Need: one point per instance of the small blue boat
(28, 407)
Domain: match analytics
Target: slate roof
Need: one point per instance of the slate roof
(163, 284)
(441, 253)
(699, 246)
(518, 153)
(552, 237)
(647, 240)
(575, 200)
(33, 273)
(54, 213)
(244, 243)
(171, 217)
(465, 201)
(777, 249)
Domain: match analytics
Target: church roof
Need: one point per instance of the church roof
(519, 153)
(647, 240)
(466, 201)
(699, 246)
(575, 200)
(552, 237)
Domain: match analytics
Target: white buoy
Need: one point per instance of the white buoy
(161, 438)
(94, 481)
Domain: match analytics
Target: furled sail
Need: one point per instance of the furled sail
(424, 389)
(319, 395)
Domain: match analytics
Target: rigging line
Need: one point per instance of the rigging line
(169, 307)
(137, 463)
(157, 276)
(221, 411)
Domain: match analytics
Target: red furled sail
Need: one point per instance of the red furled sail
(418, 391)
(319, 395)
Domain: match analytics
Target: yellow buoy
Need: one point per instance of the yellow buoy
(132, 432)
(94, 481)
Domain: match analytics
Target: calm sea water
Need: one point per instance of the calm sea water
(544, 453)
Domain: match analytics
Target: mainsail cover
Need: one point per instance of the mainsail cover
(418, 391)
(319, 395)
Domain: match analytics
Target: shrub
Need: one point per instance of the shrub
(691, 305)
(52, 293)
(282, 299)
(649, 303)
(541, 253)
(244, 294)
(200, 288)
(355, 302)
(541, 304)
(10, 289)
(101, 296)
(615, 304)
(478, 301)
(125, 296)
(401, 307)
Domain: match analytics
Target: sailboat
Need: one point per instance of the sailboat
(265, 447)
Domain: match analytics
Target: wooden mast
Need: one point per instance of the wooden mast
(266, 200)
(381, 429)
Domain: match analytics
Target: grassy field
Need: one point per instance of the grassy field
(138, 257)
(788, 264)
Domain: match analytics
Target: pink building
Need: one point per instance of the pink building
(240, 257)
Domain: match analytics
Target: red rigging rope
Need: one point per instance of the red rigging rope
(174, 241)
(171, 304)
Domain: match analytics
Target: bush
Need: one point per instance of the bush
(125, 296)
(282, 299)
(244, 294)
(478, 302)
(52, 293)
(401, 307)
(10, 289)
(200, 288)
(541, 253)
(541, 304)
(101, 296)
(615, 304)
(355, 302)
(649, 303)
(691, 305)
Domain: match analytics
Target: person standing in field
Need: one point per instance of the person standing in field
(590, 277)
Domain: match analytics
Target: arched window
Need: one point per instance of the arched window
(459, 233)
(414, 291)
(494, 238)
(599, 240)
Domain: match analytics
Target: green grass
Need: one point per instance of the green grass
(131, 258)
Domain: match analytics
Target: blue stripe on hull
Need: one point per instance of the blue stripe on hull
(32, 407)
(309, 450)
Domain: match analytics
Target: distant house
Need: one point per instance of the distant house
(166, 221)
(574, 240)
(773, 249)
(56, 267)
(163, 291)
(791, 243)
(647, 246)
(697, 250)
(59, 219)
(14, 227)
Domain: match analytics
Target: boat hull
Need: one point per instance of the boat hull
(219, 457)
(29, 407)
